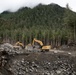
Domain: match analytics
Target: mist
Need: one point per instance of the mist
(14, 5)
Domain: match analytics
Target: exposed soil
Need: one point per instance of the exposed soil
(54, 62)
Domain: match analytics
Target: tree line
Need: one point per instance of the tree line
(51, 24)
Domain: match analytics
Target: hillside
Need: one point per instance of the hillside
(50, 23)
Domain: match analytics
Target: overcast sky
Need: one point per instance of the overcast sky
(14, 5)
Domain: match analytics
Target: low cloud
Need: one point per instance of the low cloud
(14, 5)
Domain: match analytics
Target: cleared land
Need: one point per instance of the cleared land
(54, 62)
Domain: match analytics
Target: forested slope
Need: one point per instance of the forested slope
(50, 23)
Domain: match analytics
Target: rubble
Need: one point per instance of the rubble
(36, 63)
(43, 65)
(10, 49)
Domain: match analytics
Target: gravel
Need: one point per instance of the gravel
(35, 63)
(43, 64)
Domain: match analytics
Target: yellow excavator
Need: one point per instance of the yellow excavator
(37, 44)
(19, 44)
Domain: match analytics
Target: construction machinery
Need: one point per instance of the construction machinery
(18, 45)
(37, 44)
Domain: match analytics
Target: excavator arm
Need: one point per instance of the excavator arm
(38, 41)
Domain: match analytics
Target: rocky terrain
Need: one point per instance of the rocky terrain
(21, 62)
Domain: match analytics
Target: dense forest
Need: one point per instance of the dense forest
(51, 23)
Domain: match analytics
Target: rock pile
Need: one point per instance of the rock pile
(10, 49)
(36, 63)
(59, 66)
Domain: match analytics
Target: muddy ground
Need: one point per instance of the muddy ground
(54, 62)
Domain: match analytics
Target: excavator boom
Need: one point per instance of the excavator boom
(38, 41)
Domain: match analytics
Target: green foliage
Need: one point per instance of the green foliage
(44, 22)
